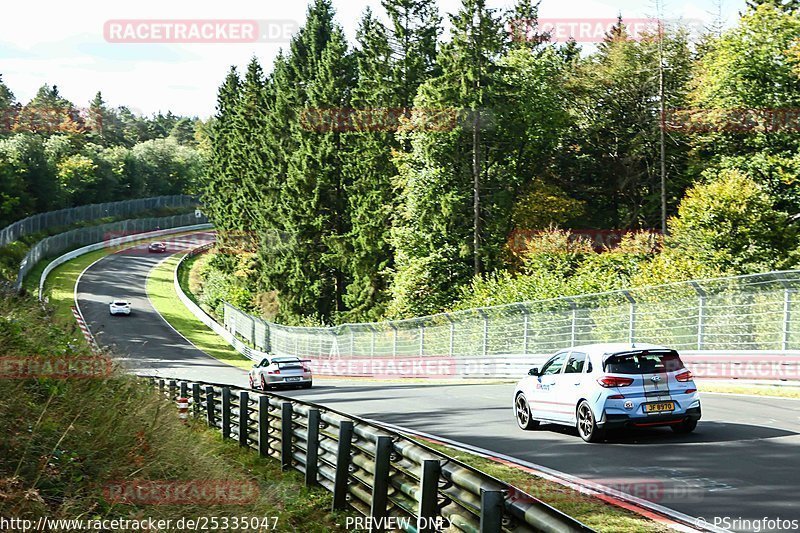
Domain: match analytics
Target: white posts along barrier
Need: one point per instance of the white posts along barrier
(112, 243)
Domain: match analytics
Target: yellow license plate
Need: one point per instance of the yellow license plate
(659, 407)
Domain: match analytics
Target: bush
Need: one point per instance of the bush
(730, 225)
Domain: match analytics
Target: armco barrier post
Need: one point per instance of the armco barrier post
(286, 435)
(429, 494)
(226, 413)
(263, 425)
(312, 446)
(244, 417)
(184, 389)
(210, 406)
(173, 388)
(161, 387)
(196, 399)
(342, 465)
(491, 511)
(380, 480)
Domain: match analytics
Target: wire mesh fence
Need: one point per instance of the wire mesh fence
(63, 242)
(86, 213)
(753, 312)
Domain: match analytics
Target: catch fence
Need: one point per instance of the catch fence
(744, 313)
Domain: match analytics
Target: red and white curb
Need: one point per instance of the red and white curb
(87, 334)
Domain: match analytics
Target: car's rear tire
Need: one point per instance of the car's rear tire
(264, 383)
(687, 426)
(306, 385)
(522, 412)
(587, 425)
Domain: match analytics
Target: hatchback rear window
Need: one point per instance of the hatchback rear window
(644, 362)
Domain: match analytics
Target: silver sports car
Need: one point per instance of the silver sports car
(278, 371)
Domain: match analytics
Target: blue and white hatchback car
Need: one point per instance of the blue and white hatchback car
(604, 386)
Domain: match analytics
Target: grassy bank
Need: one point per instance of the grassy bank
(162, 294)
(64, 441)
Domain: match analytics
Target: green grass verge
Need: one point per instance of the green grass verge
(592, 511)
(59, 287)
(66, 440)
(162, 294)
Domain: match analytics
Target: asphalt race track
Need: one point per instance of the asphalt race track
(742, 461)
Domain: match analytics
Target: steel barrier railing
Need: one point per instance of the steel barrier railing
(104, 233)
(373, 470)
(84, 213)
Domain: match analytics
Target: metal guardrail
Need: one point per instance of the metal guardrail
(750, 313)
(104, 233)
(84, 213)
(370, 469)
(112, 243)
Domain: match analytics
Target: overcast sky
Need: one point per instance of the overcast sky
(63, 43)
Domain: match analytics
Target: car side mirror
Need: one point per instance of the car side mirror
(533, 372)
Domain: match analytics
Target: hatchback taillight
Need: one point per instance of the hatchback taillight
(306, 368)
(684, 376)
(273, 372)
(614, 381)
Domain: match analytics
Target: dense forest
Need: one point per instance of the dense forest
(54, 154)
(388, 178)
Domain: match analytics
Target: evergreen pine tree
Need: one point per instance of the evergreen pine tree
(222, 185)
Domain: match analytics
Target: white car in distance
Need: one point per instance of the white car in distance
(119, 307)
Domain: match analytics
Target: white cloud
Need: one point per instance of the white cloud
(62, 43)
